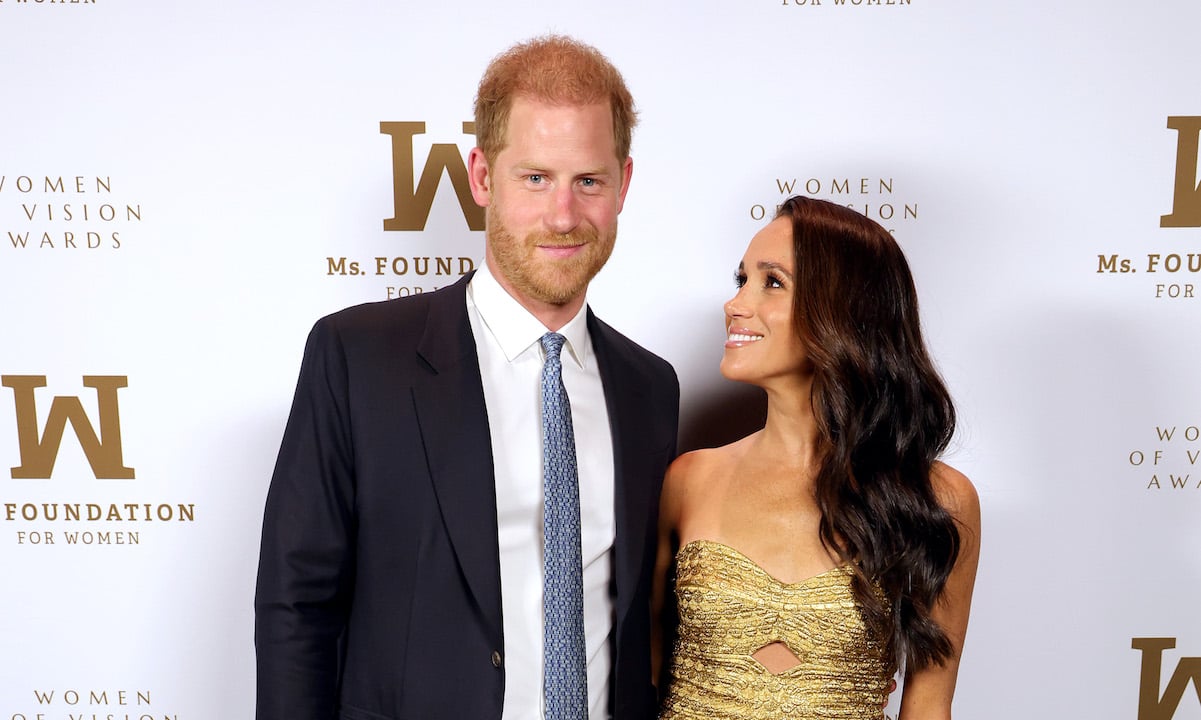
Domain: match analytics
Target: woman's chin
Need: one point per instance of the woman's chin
(737, 372)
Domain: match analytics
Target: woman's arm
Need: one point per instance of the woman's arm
(928, 692)
(663, 617)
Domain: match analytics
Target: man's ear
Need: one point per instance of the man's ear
(480, 178)
(627, 172)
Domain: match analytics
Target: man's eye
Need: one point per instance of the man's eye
(536, 179)
(588, 182)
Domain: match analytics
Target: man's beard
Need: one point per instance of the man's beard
(545, 279)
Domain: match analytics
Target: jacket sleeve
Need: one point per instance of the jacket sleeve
(306, 561)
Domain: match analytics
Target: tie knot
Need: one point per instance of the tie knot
(552, 344)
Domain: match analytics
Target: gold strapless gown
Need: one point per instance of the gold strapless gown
(730, 608)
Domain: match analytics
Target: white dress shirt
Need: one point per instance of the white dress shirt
(511, 357)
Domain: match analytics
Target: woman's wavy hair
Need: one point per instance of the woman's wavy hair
(884, 415)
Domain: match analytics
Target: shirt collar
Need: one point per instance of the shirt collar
(514, 328)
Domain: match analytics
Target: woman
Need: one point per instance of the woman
(815, 557)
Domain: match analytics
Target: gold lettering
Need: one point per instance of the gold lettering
(103, 452)
(1186, 200)
(412, 204)
(1151, 706)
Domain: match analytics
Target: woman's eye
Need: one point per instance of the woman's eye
(773, 282)
(739, 279)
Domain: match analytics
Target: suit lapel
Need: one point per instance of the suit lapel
(454, 430)
(625, 399)
(453, 419)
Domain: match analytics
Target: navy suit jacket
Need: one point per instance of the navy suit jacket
(379, 574)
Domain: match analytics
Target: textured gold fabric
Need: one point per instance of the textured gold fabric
(730, 608)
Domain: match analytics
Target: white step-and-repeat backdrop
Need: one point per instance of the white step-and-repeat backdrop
(186, 186)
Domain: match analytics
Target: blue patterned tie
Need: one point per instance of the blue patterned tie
(565, 678)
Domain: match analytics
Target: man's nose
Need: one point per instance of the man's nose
(564, 213)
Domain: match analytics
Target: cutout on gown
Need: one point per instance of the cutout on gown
(776, 657)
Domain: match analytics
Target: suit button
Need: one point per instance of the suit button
(496, 659)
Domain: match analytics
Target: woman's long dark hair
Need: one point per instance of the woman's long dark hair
(884, 416)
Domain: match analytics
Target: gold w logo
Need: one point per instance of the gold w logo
(1152, 705)
(1186, 200)
(411, 202)
(38, 456)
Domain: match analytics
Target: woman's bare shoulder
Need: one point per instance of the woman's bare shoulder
(691, 463)
(693, 471)
(702, 463)
(956, 493)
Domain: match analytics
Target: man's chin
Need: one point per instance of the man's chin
(558, 296)
(557, 291)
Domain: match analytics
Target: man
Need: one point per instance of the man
(401, 572)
